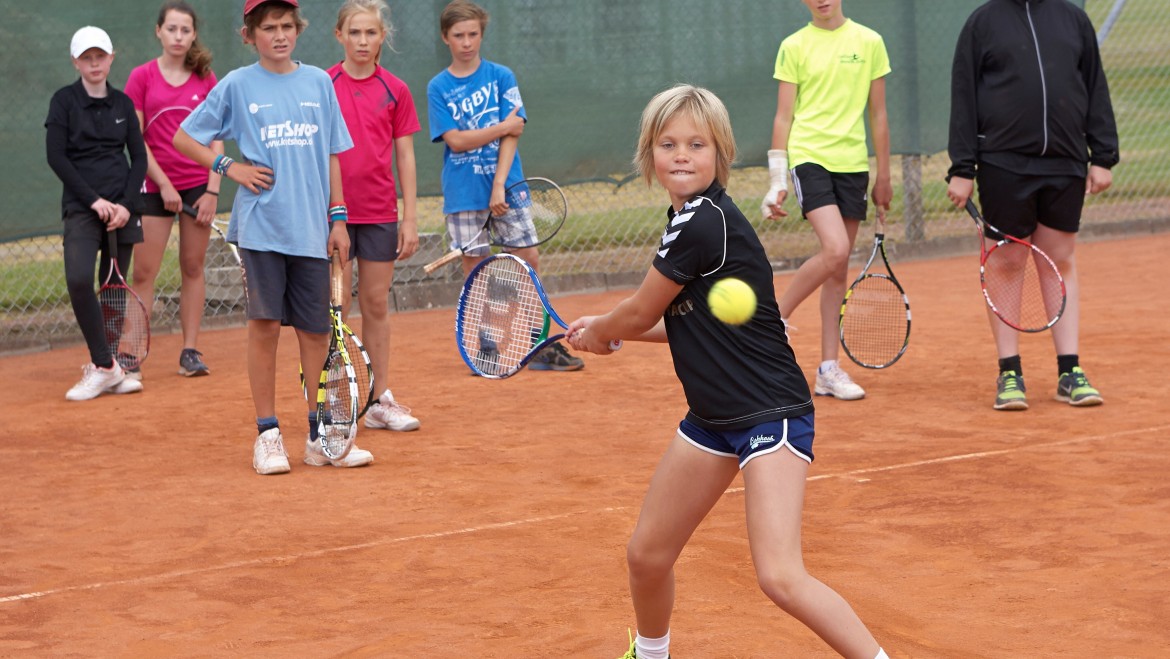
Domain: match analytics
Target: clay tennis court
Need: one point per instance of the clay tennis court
(135, 526)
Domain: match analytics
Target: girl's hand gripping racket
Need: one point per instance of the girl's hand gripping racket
(503, 317)
(1021, 285)
(536, 211)
(126, 323)
(875, 315)
(338, 398)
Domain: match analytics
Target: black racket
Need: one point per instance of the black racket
(1021, 285)
(875, 314)
(126, 324)
(503, 318)
(537, 209)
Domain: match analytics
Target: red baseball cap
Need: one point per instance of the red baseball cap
(252, 4)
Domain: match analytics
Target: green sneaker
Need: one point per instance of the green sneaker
(1009, 392)
(1074, 389)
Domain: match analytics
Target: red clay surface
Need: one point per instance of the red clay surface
(135, 526)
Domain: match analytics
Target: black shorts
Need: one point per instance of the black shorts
(152, 202)
(373, 242)
(291, 289)
(1016, 203)
(816, 187)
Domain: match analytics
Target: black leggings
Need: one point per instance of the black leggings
(82, 246)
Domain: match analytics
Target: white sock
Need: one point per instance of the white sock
(882, 654)
(652, 648)
(826, 365)
(386, 397)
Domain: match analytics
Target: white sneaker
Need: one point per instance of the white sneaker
(127, 386)
(356, 457)
(268, 455)
(837, 383)
(388, 413)
(94, 381)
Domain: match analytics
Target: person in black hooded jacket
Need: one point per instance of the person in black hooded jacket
(1032, 122)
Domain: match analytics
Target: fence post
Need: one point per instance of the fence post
(913, 212)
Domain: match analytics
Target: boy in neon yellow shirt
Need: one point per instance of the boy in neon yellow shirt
(830, 72)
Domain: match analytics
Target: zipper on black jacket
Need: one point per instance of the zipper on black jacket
(1043, 82)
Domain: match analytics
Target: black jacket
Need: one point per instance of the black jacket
(1028, 93)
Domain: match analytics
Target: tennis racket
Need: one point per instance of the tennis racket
(126, 324)
(537, 209)
(875, 314)
(362, 366)
(503, 317)
(338, 399)
(1021, 285)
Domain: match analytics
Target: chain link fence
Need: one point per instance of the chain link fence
(615, 220)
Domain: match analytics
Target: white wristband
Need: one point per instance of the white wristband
(778, 176)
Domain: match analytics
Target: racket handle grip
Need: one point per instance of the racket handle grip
(615, 345)
(190, 210)
(442, 261)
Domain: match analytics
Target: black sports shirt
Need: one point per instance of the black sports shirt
(86, 143)
(733, 376)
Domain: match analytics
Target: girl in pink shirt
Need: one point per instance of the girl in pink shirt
(379, 112)
(164, 91)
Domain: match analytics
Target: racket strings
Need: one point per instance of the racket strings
(536, 213)
(1023, 286)
(502, 317)
(362, 371)
(126, 325)
(875, 323)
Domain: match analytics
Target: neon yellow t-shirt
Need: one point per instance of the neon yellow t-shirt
(832, 71)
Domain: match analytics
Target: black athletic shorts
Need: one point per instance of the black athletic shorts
(1016, 203)
(816, 187)
(152, 202)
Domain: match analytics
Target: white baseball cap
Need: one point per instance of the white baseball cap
(90, 37)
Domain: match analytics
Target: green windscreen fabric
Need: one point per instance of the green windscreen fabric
(586, 70)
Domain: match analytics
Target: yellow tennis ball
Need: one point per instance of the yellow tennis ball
(732, 301)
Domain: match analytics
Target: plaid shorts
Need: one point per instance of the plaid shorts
(465, 230)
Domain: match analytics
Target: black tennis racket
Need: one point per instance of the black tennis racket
(127, 325)
(503, 317)
(537, 209)
(338, 399)
(1021, 285)
(875, 314)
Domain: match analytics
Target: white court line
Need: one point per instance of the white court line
(538, 520)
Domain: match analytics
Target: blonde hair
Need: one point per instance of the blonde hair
(198, 58)
(462, 10)
(378, 8)
(699, 105)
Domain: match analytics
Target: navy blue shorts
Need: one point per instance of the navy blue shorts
(373, 242)
(291, 289)
(817, 187)
(795, 435)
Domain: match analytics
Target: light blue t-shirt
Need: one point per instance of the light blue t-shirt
(480, 100)
(290, 123)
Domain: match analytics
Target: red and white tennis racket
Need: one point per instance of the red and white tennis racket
(1022, 286)
(126, 324)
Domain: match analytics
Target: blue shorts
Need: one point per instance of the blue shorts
(291, 289)
(795, 435)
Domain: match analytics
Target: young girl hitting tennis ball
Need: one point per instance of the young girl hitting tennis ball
(757, 418)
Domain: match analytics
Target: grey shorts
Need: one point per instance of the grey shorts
(291, 289)
(465, 230)
(373, 242)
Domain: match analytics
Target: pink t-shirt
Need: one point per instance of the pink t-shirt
(164, 107)
(377, 110)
